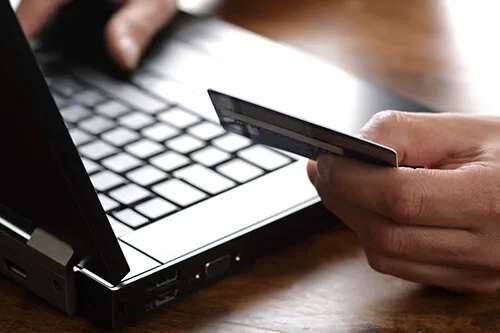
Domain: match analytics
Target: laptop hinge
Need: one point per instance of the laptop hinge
(43, 265)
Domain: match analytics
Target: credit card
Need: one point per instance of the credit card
(278, 130)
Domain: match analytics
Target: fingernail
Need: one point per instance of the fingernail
(324, 164)
(130, 52)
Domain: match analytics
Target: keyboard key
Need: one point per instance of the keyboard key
(136, 120)
(146, 175)
(232, 142)
(239, 170)
(144, 148)
(160, 132)
(112, 109)
(179, 192)
(89, 98)
(107, 203)
(204, 178)
(96, 150)
(120, 136)
(127, 93)
(119, 228)
(210, 156)
(156, 208)
(121, 162)
(131, 218)
(264, 157)
(75, 113)
(206, 131)
(96, 125)
(79, 137)
(105, 180)
(169, 161)
(185, 144)
(129, 194)
(90, 166)
(179, 118)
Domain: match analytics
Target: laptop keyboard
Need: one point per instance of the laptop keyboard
(151, 157)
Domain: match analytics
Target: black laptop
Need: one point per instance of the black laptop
(121, 193)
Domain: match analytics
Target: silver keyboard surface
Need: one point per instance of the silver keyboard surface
(148, 155)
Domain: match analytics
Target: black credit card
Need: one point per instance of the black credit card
(280, 131)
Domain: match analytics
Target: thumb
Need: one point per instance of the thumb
(131, 29)
(33, 14)
(423, 139)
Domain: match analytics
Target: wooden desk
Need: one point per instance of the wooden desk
(441, 52)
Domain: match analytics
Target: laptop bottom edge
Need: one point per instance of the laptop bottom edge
(113, 308)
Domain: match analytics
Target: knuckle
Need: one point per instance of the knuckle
(382, 121)
(388, 239)
(407, 202)
(380, 263)
(388, 116)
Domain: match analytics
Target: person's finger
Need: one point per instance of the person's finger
(33, 14)
(453, 247)
(425, 139)
(312, 171)
(424, 197)
(411, 267)
(456, 279)
(132, 28)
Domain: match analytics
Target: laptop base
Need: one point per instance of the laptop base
(115, 307)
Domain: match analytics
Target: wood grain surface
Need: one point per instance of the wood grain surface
(441, 52)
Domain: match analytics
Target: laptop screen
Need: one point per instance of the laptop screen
(42, 177)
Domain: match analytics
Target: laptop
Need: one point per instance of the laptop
(121, 193)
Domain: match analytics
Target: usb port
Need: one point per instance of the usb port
(166, 297)
(167, 279)
(18, 271)
(217, 267)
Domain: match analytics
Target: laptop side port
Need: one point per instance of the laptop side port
(166, 297)
(167, 279)
(217, 267)
(16, 270)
